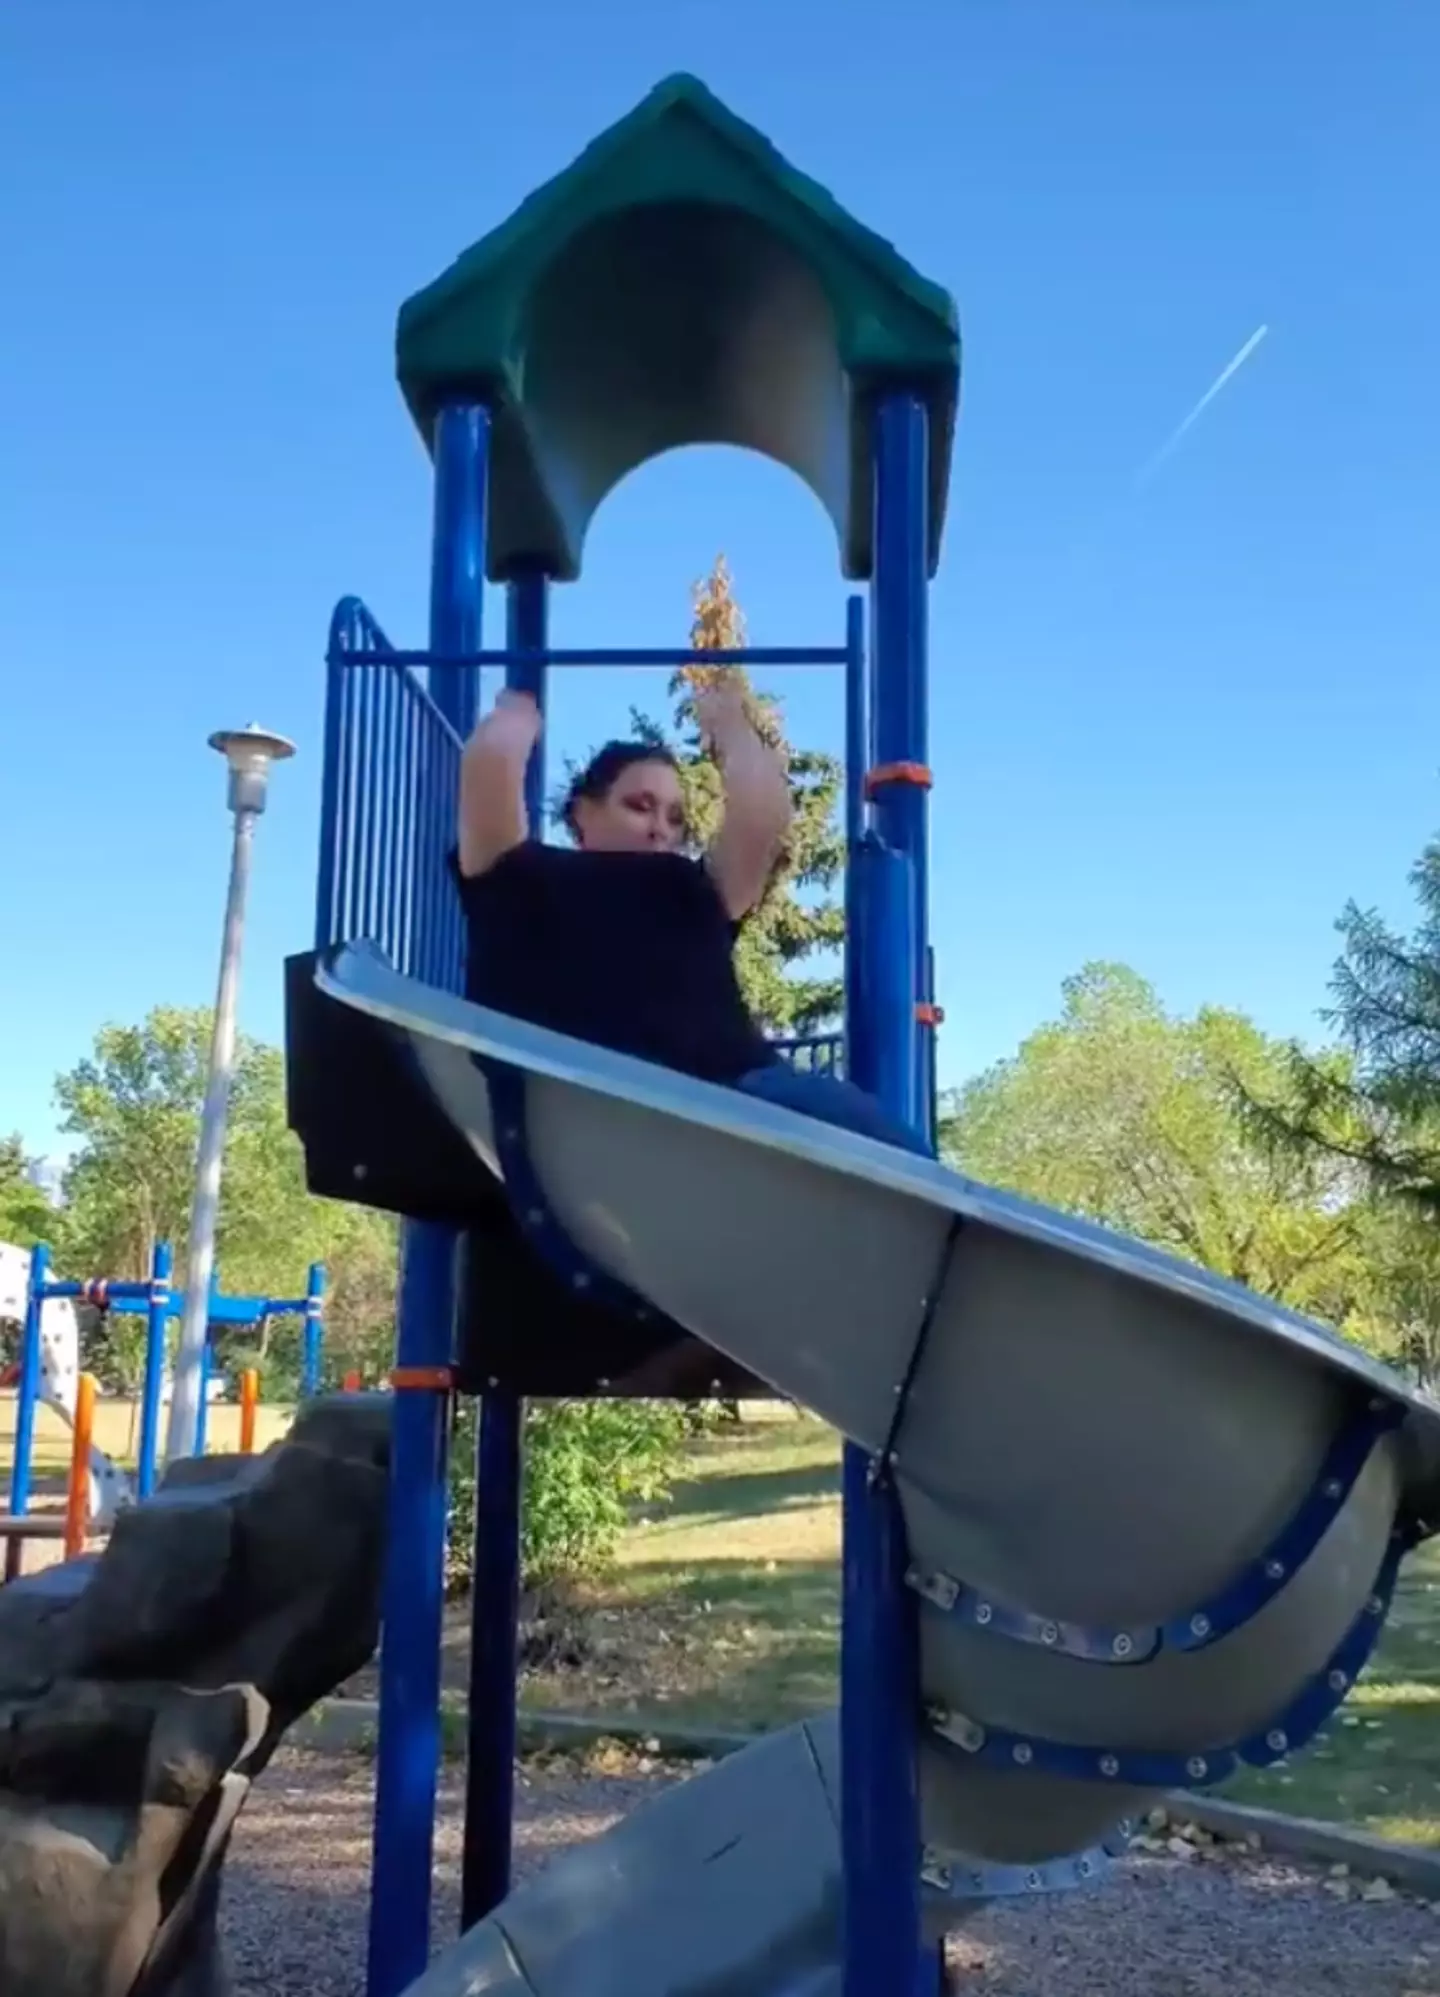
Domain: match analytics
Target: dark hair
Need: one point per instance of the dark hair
(605, 769)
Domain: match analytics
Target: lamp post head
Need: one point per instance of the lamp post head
(250, 752)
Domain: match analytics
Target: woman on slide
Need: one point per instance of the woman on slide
(627, 939)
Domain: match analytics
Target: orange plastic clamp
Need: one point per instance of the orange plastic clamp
(930, 1015)
(422, 1379)
(898, 773)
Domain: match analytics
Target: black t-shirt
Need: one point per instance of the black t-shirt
(633, 951)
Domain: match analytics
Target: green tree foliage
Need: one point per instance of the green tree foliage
(1371, 1106)
(27, 1214)
(1376, 1101)
(1124, 1114)
(134, 1105)
(1400, 1321)
(586, 1464)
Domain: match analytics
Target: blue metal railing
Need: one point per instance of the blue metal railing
(392, 773)
(814, 1053)
(387, 814)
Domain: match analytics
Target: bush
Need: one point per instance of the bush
(586, 1463)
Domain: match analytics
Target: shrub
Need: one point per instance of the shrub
(586, 1464)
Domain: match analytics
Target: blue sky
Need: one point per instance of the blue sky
(1176, 726)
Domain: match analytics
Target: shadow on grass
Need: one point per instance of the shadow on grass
(789, 1593)
(724, 1643)
(753, 1493)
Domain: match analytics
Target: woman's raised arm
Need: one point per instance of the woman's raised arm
(756, 785)
(492, 816)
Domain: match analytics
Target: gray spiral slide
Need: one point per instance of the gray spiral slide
(1154, 1520)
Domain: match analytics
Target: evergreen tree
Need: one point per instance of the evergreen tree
(27, 1214)
(1376, 1099)
(800, 917)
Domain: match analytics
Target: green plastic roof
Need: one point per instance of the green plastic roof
(680, 282)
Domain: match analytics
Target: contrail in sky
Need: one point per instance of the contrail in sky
(1148, 470)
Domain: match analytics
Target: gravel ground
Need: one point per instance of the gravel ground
(1211, 1924)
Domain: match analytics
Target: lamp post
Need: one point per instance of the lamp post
(249, 753)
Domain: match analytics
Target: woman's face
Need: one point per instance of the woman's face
(642, 812)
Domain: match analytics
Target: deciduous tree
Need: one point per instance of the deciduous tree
(1127, 1115)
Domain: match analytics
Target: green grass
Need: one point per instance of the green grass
(117, 1432)
(724, 1605)
(724, 1611)
(1378, 1763)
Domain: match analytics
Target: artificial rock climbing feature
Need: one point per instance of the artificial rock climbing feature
(143, 1690)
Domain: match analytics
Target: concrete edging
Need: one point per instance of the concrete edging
(1414, 1867)
(339, 1725)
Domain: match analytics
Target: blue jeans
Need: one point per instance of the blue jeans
(830, 1100)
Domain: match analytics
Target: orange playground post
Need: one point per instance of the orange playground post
(77, 1498)
(249, 1402)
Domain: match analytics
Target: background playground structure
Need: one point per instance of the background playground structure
(116, 1427)
(118, 1441)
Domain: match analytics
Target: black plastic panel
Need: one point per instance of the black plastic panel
(374, 1136)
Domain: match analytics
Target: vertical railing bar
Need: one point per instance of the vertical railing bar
(379, 871)
(360, 805)
(439, 940)
(405, 837)
(370, 794)
(403, 781)
(419, 885)
(377, 799)
(438, 952)
(343, 917)
(385, 695)
(452, 899)
(457, 918)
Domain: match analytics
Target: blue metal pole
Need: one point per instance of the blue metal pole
(457, 571)
(930, 1098)
(157, 1318)
(883, 983)
(900, 615)
(884, 1953)
(28, 1392)
(499, 1463)
(857, 721)
(96, 1290)
(314, 1330)
(409, 1743)
(859, 1033)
